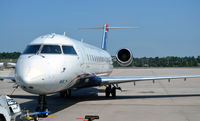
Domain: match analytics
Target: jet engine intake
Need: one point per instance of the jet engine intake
(124, 57)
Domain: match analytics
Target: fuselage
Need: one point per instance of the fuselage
(53, 63)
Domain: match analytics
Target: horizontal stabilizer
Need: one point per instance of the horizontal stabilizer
(109, 28)
(106, 28)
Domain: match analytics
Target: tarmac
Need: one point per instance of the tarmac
(178, 100)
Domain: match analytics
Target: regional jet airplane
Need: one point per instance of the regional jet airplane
(55, 63)
(7, 65)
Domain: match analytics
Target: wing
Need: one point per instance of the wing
(116, 80)
(8, 77)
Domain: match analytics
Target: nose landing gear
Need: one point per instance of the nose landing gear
(42, 108)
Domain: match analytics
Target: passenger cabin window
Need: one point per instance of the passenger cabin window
(51, 49)
(68, 50)
(31, 49)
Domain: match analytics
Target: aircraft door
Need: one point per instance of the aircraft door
(81, 57)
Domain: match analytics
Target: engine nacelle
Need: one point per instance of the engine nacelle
(124, 57)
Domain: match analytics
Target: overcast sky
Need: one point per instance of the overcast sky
(166, 27)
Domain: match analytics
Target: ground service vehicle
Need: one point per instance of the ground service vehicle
(9, 109)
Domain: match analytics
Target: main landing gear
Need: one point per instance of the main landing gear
(66, 93)
(42, 108)
(111, 90)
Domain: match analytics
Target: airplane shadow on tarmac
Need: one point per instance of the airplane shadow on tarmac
(55, 103)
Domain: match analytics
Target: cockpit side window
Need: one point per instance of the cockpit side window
(68, 50)
(51, 49)
(31, 49)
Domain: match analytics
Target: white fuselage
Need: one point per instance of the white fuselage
(45, 73)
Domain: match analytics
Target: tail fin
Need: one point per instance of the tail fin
(104, 41)
(106, 28)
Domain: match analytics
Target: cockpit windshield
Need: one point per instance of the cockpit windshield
(31, 49)
(51, 49)
(68, 50)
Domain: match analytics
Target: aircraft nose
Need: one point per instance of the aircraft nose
(31, 75)
(30, 72)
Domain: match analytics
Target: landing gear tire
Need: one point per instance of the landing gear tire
(107, 92)
(113, 92)
(36, 118)
(46, 114)
(42, 112)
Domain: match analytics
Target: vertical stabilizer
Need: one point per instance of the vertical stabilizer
(104, 41)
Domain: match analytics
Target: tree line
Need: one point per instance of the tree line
(170, 61)
(9, 55)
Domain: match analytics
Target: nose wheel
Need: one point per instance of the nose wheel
(42, 108)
